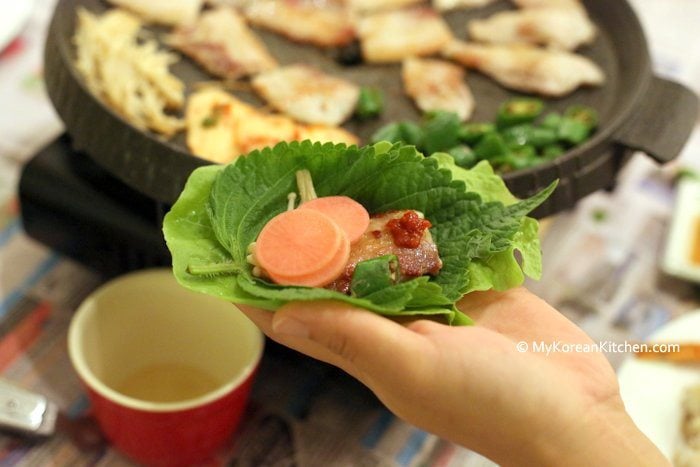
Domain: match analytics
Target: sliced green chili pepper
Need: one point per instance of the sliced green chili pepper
(370, 104)
(524, 152)
(526, 134)
(583, 114)
(519, 110)
(552, 121)
(440, 132)
(511, 162)
(490, 146)
(553, 151)
(463, 156)
(518, 135)
(572, 131)
(471, 133)
(406, 132)
(541, 137)
(411, 133)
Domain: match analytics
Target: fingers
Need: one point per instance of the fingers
(364, 344)
(261, 318)
(520, 315)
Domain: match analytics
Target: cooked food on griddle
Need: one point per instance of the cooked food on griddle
(547, 3)
(168, 12)
(325, 23)
(129, 73)
(438, 85)
(221, 41)
(364, 6)
(391, 36)
(443, 5)
(307, 94)
(404, 234)
(555, 27)
(220, 127)
(526, 68)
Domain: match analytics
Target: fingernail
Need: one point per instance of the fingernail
(290, 327)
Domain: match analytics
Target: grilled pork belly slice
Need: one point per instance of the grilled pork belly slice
(222, 43)
(168, 12)
(308, 94)
(547, 3)
(438, 85)
(555, 27)
(378, 240)
(527, 68)
(366, 6)
(325, 23)
(391, 36)
(443, 5)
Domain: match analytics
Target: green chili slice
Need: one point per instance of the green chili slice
(583, 114)
(519, 110)
(370, 103)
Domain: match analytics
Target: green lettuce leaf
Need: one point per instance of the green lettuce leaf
(501, 271)
(475, 226)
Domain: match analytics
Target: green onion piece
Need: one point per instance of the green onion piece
(209, 121)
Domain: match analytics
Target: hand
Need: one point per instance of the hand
(472, 385)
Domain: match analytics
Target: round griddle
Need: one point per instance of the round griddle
(637, 109)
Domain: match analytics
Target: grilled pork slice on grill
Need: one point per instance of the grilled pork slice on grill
(547, 3)
(391, 36)
(366, 6)
(307, 94)
(168, 12)
(438, 85)
(443, 5)
(528, 68)
(325, 23)
(222, 43)
(556, 27)
(415, 259)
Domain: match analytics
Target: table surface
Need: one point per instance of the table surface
(601, 270)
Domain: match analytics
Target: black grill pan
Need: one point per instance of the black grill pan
(638, 110)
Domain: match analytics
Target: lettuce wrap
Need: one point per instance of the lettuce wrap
(477, 225)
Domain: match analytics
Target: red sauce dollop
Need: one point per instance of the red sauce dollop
(408, 230)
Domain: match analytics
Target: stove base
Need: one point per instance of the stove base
(75, 207)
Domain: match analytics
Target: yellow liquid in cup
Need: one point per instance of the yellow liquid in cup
(167, 383)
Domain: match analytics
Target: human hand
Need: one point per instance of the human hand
(472, 385)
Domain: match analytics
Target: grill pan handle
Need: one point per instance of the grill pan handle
(662, 122)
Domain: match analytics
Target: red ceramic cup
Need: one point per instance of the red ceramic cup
(168, 371)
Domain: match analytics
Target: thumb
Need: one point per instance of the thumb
(362, 343)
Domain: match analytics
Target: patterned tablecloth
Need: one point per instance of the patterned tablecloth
(305, 413)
